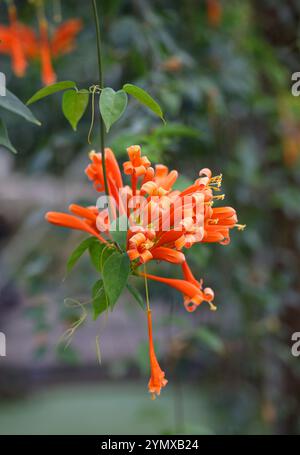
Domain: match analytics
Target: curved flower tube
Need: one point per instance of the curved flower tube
(157, 379)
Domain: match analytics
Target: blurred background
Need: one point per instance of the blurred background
(222, 72)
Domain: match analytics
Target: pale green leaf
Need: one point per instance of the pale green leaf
(50, 90)
(112, 105)
(74, 105)
(143, 97)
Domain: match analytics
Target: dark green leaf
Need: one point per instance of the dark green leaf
(4, 139)
(143, 97)
(100, 299)
(13, 104)
(96, 249)
(112, 105)
(115, 274)
(50, 89)
(118, 230)
(137, 295)
(74, 105)
(78, 252)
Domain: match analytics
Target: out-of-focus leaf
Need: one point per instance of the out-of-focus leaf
(112, 105)
(143, 97)
(176, 130)
(12, 103)
(74, 105)
(115, 274)
(100, 300)
(50, 90)
(4, 139)
(182, 182)
(210, 339)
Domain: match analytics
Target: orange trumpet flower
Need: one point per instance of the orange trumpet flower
(16, 40)
(157, 379)
(161, 222)
(22, 44)
(193, 294)
(61, 43)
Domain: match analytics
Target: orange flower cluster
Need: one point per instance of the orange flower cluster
(22, 44)
(155, 231)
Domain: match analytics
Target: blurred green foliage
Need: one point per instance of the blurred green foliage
(225, 91)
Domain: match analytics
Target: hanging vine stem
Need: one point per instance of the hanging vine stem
(100, 71)
(146, 289)
(93, 91)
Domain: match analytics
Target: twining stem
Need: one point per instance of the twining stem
(100, 71)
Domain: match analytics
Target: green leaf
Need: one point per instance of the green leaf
(137, 295)
(112, 105)
(96, 250)
(50, 89)
(74, 105)
(100, 299)
(143, 97)
(115, 274)
(78, 252)
(4, 139)
(118, 230)
(12, 103)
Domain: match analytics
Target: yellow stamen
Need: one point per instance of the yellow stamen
(216, 178)
(219, 197)
(240, 227)
(215, 221)
(212, 306)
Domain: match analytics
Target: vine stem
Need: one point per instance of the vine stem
(100, 75)
(146, 290)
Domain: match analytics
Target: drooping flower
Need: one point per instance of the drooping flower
(157, 379)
